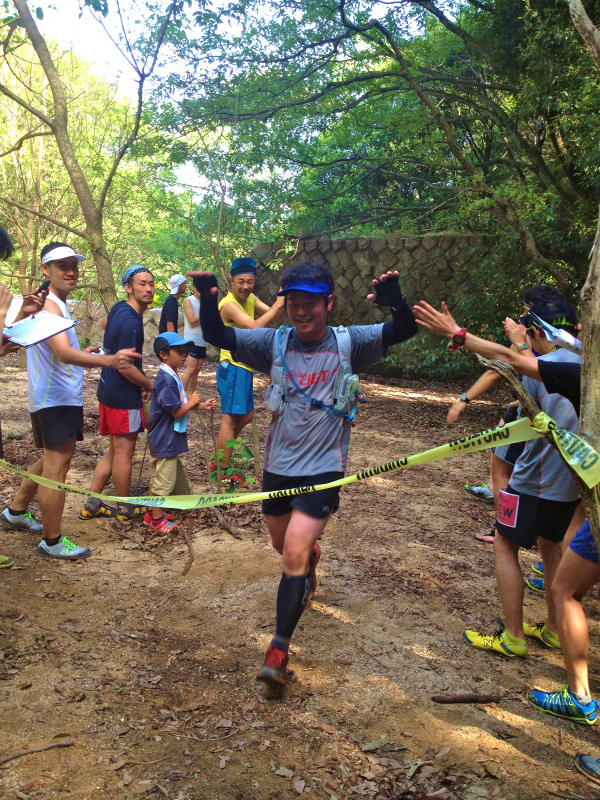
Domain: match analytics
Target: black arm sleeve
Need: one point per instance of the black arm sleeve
(401, 327)
(213, 329)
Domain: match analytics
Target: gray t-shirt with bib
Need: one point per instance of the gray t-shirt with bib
(305, 440)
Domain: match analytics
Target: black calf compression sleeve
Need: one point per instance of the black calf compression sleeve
(291, 600)
(213, 329)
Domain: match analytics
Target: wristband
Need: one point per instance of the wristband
(458, 339)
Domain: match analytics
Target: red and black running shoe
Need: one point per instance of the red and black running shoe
(314, 560)
(274, 668)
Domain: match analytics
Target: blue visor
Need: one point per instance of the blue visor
(305, 286)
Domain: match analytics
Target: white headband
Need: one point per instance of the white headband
(61, 252)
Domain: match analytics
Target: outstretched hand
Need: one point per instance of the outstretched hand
(124, 358)
(387, 290)
(204, 281)
(442, 322)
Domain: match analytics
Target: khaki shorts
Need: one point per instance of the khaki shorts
(164, 475)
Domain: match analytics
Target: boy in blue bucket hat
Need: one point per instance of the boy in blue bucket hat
(167, 428)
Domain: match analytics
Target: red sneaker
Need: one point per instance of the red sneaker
(148, 517)
(314, 560)
(163, 526)
(274, 668)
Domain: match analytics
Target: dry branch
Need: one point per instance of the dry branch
(20, 753)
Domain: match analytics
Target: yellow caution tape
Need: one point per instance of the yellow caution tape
(519, 431)
(578, 454)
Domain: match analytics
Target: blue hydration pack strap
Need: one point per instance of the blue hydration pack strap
(313, 401)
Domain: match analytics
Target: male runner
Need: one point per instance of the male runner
(121, 395)
(307, 442)
(169, 319)
(541, 497)
(55, 384)
(234, 378)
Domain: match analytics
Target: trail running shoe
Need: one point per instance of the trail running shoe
(97, 512)
(127, 511)
(543, 635)
(536, 585)
(563, 704)
(588, 766)
(538, 567)
(65, 548)
(21, 522)
(6, 561)
(148, 517)
(164, 527)
(499, 642)
(274, 668)
(315, 557)
(481, 492)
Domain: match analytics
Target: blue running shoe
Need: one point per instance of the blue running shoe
(538, 567)
(588, 766)
(563, 704)
(536, 585)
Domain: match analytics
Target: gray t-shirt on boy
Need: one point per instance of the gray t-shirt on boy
(305, 440)
(539, 470)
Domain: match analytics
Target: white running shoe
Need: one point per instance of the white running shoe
(22, 522)
(65, 548)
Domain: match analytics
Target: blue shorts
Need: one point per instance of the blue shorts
(234, 385)
(583, 544)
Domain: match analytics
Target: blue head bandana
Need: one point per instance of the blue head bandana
(131, 271)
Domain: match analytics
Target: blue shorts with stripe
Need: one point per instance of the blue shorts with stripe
(234, 385)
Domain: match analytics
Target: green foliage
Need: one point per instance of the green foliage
(235, 476)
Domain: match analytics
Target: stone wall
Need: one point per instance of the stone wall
(434, 268)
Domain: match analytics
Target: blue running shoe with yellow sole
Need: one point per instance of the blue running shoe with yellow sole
(536, 585)
(500, 642)
(563, 704)
(588, 766)
(538, 567)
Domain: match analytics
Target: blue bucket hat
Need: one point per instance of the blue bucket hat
(170, 339)
(243, 266)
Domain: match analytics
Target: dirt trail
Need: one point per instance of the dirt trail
(152, 675)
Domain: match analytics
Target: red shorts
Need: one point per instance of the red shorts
(117, 421)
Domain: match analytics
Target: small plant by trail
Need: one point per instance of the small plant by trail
(235, 476)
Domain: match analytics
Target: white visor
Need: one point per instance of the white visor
(61, 252)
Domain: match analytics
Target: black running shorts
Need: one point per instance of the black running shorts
(197, 351)
(56, 425)
(522, 518)
(315, 504)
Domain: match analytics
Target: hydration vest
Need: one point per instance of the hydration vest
(346, 389)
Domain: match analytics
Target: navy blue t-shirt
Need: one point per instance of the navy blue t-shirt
(124, 328)
(163, 439)
(170, 313)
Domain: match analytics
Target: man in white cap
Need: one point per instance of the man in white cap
(170, 313)
(55, 386)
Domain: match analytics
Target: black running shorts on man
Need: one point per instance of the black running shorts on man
(57, 425)
(317, 505)
(533, 517)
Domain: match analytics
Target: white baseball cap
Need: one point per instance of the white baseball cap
(61, 252)
(176, 282)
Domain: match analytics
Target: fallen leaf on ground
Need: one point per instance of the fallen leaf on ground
(284, 772)
(224, 723)
(443, 752)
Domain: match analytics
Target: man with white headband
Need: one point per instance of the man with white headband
(55, 385)
(121, 395)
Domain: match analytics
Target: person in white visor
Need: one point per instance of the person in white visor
(55, 387)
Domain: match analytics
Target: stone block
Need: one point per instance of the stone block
(341, 281)
(429, 242)
(324, 245)
(396, 243)
(337, 244)
(363, 244)
(388, 259)
(452, 252)
(310, 245)
(412, 244)
(351, 245)
(377, 245)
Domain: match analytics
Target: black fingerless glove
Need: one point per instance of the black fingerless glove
(203, 283)
(510, 415)
(388, 292)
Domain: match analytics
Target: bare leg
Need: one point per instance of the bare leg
(510, 584)
(103, 469)
(551, 553)
(124, 448)
(27, 490)
(231, 427)
(294, 535)
(190, 376)
(574, 578)
(51, 501)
